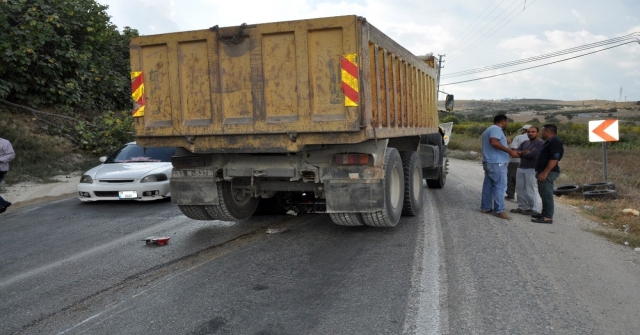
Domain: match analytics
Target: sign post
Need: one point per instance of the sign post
(604, 131)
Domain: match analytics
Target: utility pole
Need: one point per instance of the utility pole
(620, 95)
(440, 67)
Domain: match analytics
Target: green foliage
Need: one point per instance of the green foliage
(450, 118)
(39, 157)
(106, 133)
(63, 53)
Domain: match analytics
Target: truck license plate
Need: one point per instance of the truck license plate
(127, 194)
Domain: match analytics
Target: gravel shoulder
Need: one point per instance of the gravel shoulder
(518, 277)
(30, 193)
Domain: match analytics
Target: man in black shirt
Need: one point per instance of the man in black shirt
(547, 171)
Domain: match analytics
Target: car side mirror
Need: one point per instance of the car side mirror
(448, 102)
(103, 159)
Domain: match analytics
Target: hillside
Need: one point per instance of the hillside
(524, 110)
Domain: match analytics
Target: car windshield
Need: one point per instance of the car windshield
(133, 153)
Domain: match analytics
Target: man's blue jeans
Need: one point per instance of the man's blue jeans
(494, 186)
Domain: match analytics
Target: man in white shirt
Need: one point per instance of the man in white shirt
(512, 168)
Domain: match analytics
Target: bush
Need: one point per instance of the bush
(63, 53)
(106, 133)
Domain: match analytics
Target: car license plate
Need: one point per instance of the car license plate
(127, 194)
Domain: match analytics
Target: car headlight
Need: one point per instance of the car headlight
(154, 177)
(86, 179)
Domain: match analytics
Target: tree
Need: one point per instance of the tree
(63, 52)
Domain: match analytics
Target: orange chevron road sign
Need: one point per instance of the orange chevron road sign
(603, 131)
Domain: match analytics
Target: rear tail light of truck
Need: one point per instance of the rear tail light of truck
(352, 159)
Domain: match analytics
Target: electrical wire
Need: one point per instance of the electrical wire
(470, 31)
(470, 24)
(533, 67)
(486, 25)
(491, 32)
(542, 57)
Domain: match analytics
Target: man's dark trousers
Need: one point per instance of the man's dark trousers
(512, 170)
(545, 188)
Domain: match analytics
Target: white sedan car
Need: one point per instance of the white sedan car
(131, 173)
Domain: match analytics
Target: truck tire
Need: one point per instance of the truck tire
(566, 189)
(393, 186)
(232, 207)
(195, 212)
(442, 175)
(347, 219)
(443, 164)
(412, 183)
(600, 194)
(599, 186)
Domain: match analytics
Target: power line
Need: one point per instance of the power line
(470, 24)
(463, 39)
(486, 25)
(533, 67)
(494, 31)
(541, 57)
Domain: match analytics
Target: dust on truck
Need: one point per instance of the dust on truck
(328, 107)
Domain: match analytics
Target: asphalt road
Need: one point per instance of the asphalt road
(73, 268)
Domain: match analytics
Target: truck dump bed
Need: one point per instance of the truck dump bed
(278, 87)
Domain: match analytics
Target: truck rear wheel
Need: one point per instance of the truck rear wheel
(347, 219)
(442, 175)
(393, 184)
(412, 183)
(234, 204)
(195, 212)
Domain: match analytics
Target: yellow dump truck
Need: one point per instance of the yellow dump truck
(330, 110)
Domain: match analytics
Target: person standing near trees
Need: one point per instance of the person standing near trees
(526, 175)
(6, 155)
(547, 171)
(495, 157)
(514, 163)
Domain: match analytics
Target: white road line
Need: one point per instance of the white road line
(424, 313)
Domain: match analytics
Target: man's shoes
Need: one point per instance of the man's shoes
(529, 212)
(536, 216)
(509, 197)
(486, 211)
(542, 220)
(502, 215)
(2, 209)
(516, 210)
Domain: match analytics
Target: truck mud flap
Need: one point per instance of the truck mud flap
(354, 197)
(193, 191)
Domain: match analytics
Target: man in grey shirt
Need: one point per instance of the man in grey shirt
(6, 155)
(514, 163)
(526, 182)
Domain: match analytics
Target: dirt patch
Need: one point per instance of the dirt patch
(30, 193)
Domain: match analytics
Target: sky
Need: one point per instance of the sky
(470, 33)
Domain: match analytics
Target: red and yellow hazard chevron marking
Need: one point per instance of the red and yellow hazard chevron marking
(350, 80)
(137, 92)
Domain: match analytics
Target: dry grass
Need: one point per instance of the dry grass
(581, 166)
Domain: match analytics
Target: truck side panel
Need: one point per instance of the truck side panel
(277, 87)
